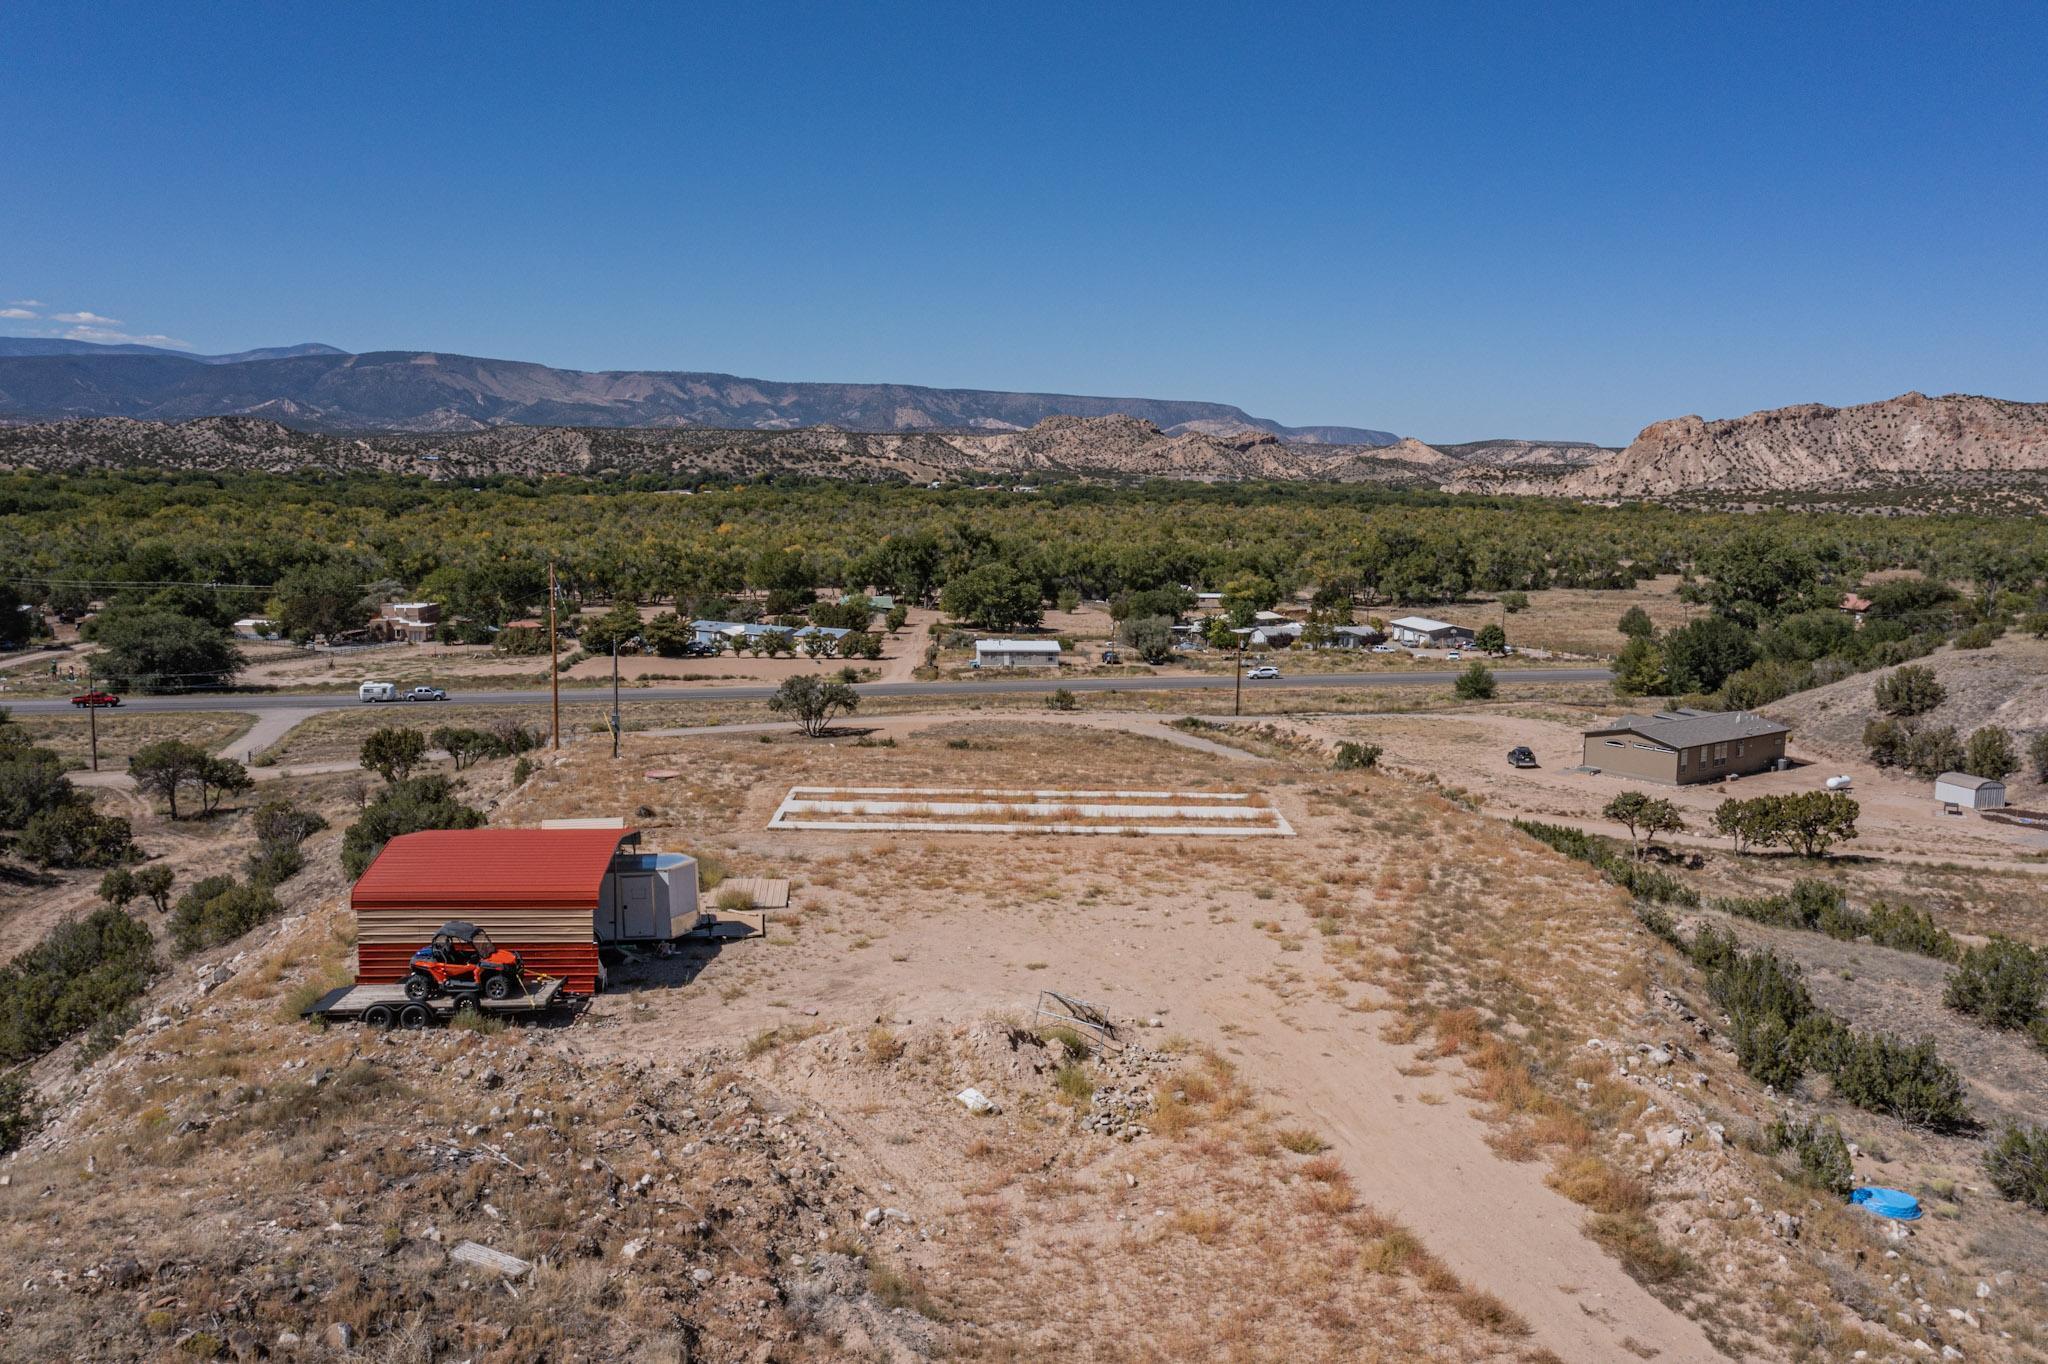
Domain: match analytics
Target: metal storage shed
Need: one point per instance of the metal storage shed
(536, 891)
(1972, 793)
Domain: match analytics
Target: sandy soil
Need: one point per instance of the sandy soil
(1148, 927)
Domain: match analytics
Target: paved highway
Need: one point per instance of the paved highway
(629, 696)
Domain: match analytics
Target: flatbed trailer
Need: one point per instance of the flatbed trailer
(386, 1006)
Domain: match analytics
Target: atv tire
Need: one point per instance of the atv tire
(379, 1016)
(498, 986)
(419, 985)
(415, 1016)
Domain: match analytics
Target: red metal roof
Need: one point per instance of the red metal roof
(490, 868)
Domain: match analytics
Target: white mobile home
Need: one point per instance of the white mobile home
(1420, 632)
(1972, 793)
(1016, 653)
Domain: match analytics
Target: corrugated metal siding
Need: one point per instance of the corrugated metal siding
(575, 963)
(533, 890)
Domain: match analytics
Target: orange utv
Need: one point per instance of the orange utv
(462, 960)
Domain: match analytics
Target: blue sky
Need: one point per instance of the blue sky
(1452, 221)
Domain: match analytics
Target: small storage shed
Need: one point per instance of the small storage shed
(537, 891)
(1972, 793)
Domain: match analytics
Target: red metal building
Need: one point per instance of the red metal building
(536, 891)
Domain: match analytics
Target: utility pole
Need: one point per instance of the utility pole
(92, 716)
(1237, 697)
(554, 665)
(615, 695)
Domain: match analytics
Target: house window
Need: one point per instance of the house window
(1616, 743)
(1720, 755)
(1681, 759)
(1738, 748)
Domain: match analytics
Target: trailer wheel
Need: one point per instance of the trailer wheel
(467, 1004)
(498, 986)
(415, 1016)
(379, 1016)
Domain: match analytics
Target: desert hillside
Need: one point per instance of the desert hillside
(1112, 447)
(1904, 440)
(2005, 685)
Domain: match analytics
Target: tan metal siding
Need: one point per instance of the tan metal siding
(1630, 756)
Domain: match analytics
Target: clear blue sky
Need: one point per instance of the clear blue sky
(1450, 221)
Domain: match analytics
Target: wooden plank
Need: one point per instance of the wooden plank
(765, 892)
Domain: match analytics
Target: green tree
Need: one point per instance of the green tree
(154, 650)
(1911, 690)
(993, 596)
(898, 614)
(18, 620)
(166, 767)
(1644, 817)
(1756, 576)
(153, 883)
(1746, 822)
(1514, 602)
(813, 702)
(76, 835)
(1636, 624)
(326, 599)
(2000, 983)
(1931, 752)
(404, 807)
(1475, 683)
(219, 778)
(117, 887)
(1639, 670)
(1150, 636)
(1246, 595)
(393, 751)
(1491, 639)
(2037, 754)
(1814, 821)
(1701, 655)
(618, 626)
(2017, 1164)
(1990, 753)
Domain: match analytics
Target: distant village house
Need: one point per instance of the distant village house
(1684, 746)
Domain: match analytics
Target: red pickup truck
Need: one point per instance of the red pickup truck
(96, 699)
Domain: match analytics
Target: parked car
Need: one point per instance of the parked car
(94, 700)
(1265, 672)
(1521, 757)
(1386, 648)
(1453, 656)
(426, 694)
(377, 691)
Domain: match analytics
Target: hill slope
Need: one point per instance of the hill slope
(1115, 447)
(1903, 440)
(327, 390)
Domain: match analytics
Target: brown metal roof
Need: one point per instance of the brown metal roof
(480, 869)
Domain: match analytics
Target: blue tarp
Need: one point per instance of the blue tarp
(1892, 1203)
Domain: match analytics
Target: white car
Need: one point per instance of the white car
(1453, 656)
(1264, 673)
(1385, 649)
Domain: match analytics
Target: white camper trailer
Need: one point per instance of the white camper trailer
(650, 897)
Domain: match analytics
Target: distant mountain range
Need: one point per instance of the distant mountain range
(319, 388)
(44, 345)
